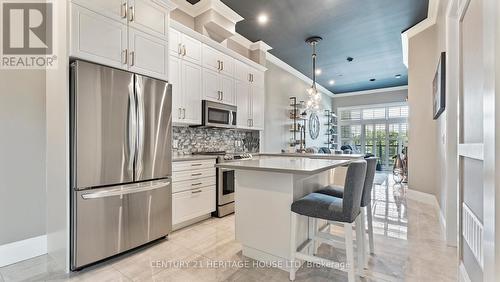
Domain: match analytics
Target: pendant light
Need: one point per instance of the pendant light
(313, 96)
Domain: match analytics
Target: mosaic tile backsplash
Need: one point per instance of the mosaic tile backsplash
(199, 139)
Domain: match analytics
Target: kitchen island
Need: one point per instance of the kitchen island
(265, 188)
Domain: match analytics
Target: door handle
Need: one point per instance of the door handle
(125, 56)
(222, 95)
(218, 95)
(179, 49)
(196, 174)
(132, 58)
(196, 164)
(196, 184)
(184, 48)
(196, 192)
(218, 67)
(222, 65)
(124, 10)
(180, 113)
(183, 113)
(132, 14)
(124, 190)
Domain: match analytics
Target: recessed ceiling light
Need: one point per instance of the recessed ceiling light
(372, 79)
(262, 18)
(331, 82)
(397, 76)
(350, 59)
(319, 71)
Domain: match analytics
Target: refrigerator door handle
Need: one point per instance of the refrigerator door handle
(140, 126)
(126, 190)
(132, 128)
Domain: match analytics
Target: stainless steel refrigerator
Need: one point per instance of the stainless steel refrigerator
(121, 162)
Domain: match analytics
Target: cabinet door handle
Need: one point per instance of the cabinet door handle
(196, 174)
(131, 14)
(196, 184)
(222, 95)
(124, 10)
(196, 192)
(183, 113)
(252, 77)
(184, 48)
(218, 64)
(125, 56)
(222, 65)
(196, 164)
(132, 58)
(180, 113)
(218, 95)
(179, 49)
(249, 77)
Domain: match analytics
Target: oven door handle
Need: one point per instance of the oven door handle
(230, 117)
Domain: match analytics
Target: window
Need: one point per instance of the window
(380, 130)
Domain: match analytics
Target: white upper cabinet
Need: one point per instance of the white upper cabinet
(192, 94)
(149, 17)
(185, 78)
(249, 96)
(243, 104)
(147, 54)
(227, 90)
(218, 87)
(130, 35)
(218, 61)
(113, 9)
(258, 103)
(185, 47)
(97, 38)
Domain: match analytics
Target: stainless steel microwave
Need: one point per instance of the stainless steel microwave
(218, 115)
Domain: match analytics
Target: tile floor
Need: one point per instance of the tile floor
(409, 246)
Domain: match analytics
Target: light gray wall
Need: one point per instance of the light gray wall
(22, 155)
(422, 138)
(280, 86)
(370, 99)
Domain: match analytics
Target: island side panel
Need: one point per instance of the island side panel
(262, 211)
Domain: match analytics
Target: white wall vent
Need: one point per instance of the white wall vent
(472, 231)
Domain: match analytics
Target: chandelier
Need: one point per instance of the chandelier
(313, 96)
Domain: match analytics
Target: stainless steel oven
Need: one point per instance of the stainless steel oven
(218, 115)
(225, 191)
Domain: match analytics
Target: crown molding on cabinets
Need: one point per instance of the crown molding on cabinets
(209, 42)
(278, 62)
(432, 14)
(205, 5)
(166, 4)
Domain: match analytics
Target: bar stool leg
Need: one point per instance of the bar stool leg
(293, 245)
(349, 248)
(370, 227)
(362, 237)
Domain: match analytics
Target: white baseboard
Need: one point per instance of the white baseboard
(23, 250)
(463, 276)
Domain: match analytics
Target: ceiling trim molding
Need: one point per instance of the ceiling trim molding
(373, 91)
(205, 5)
(278, 62)
(432, 13)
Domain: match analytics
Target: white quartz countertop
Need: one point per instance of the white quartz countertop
(316, 156)
(293, 165)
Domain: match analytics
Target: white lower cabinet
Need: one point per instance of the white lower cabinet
(193, 191)
(191, 204)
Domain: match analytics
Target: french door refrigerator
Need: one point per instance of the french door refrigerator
(121, 162)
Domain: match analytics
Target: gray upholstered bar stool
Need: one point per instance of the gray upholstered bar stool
(343, 211)
(366, 207)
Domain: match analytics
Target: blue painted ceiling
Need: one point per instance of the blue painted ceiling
(367, 30)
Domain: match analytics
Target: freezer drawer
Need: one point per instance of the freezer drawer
(111, 220)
